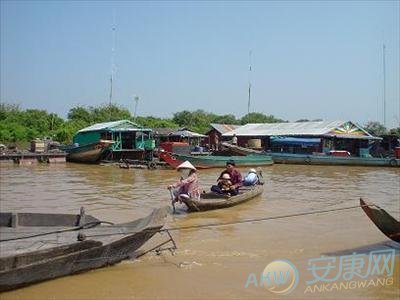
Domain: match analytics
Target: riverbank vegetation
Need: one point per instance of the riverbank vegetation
(19, 125)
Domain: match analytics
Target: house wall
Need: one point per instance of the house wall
(211, 140)
(357, 147)
(243, 141)
(84, 138)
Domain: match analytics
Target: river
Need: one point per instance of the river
(216, 263)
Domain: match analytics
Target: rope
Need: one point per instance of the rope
(265, 218)
(201, 226)
(84, 226)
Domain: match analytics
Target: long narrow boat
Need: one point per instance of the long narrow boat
(211, 201)
(310, 159)
(211, 161)
(240, 150)
(306, 159)
(384, 221)
(89, 153)
(36, 247)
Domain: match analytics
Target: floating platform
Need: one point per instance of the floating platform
(29, 158)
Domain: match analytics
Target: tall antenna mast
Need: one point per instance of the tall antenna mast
(112, 58)
(136, 99)
(248, 103)
(384, 85)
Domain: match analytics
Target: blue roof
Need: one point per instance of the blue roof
(295, 141)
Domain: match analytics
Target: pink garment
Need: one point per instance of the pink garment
(189, 186)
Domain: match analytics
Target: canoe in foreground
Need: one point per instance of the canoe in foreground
(384, 221)
(37, 247)
(210, 201)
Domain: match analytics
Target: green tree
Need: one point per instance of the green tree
(8, 110)
(154, 122)
(18, 125)
(17, 133)
(256, 117)
(395, 131)
(375, 128)
(65, 133)
(225, 119)
(80, 113)
(98, 114)
(197, 120)
(108, 113)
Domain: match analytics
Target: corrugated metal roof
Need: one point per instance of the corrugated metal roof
(299, 128)
(122, 125)
(163, 131)
(223, 128)
(186, 133)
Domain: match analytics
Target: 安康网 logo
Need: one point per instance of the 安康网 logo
(279, 277)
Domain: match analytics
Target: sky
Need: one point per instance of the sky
(309, 59)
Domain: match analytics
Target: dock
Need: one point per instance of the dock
(28, 158)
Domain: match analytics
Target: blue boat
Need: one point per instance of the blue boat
(310, 159)
(313, 159)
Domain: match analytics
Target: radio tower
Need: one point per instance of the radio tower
(136, 99)
(384, 85)
(112, 58)
(249, 100)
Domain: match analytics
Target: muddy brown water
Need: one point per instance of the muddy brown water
(215, 263)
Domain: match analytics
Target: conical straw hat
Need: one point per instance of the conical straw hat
(186, 165)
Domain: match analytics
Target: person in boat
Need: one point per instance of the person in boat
(234, 140)
(224, 184)
(187, 186)
(235, 178)
(251, 178)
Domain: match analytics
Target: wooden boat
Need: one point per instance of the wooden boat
(240, 150)
(211, 201)
(211, 161)
(36, 247)
(89, 153)
(384, 221)
(310, 159)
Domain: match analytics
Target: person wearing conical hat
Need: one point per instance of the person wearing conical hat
(188, 185)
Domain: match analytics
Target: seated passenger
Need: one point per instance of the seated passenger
(251, 178)
(235, 179)
(225, 183)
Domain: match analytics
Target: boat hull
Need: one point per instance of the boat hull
(90, 153)
(210, 201)
(105, 245)
(388, 225)
(210, 161)
(309, 159)
(304, 159)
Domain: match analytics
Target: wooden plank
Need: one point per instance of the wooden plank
(16, 261)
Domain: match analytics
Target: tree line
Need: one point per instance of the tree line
(18, 125)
